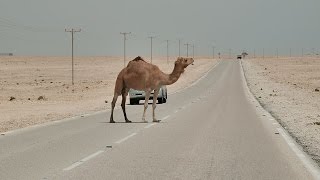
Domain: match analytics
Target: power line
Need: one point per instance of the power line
(9, 24)
(72, 31)
(124, 46)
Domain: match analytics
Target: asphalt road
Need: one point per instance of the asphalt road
(211, 130)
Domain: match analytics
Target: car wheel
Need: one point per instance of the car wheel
(160, 100)
(133, 101)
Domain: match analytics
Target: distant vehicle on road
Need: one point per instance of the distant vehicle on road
(136, 96)
(239, 57)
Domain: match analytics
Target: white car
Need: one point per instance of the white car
(136, 96)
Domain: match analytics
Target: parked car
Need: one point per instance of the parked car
(136, 96)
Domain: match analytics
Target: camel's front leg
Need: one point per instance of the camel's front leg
(123, 104)
(154, 104)
(114, 100)
(145, 105)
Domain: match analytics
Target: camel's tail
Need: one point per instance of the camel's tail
(119, 85)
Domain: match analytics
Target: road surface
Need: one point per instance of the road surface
(211, 130)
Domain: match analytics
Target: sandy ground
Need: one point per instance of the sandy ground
(40, 88)
(286, 87)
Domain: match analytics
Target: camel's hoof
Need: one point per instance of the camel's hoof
(112, 121)
(128, 121)
(157, 121)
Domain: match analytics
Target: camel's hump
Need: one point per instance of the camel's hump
(138, 59)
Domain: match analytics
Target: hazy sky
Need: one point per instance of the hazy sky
(36, 27)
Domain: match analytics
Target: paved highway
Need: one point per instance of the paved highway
(211, 130)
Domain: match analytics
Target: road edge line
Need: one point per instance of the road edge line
(305, 159)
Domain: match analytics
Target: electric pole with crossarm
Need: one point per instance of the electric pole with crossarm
(72, 31)
(187, 44)
(151, 37)
(124, 46)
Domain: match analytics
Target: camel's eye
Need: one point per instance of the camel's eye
(185, 60)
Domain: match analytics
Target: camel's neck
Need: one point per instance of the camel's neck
(174, 76)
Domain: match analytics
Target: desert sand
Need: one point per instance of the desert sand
(36, 90)
(288, 89)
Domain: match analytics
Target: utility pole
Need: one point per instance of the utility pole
(192, 51)
(72, 31)
(124, 46)
(254, 53)
(213, 52)
(302, 52)
(290, 52)
(179, 46)
(263, 53)
(313, 52)
(167, 51)
(151, 37)
(187, 44)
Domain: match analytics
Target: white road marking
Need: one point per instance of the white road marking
(165, 117)
(306, 161)
(301, 155)
(126, 138)
(148, 126)
(205, 74)
(50, 123)
(76, 164)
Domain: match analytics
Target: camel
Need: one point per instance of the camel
(143, 76)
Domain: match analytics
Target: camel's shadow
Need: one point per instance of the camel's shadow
(133, 122)
(149, 103)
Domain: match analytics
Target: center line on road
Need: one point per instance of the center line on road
(126, 138)
(148, 126)
(76, 164)
(165, 117)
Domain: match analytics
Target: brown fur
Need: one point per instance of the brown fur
(147, 77)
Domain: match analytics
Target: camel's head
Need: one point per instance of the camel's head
(184, 62)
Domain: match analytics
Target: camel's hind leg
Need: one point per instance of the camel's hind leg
(123, 104)
(114, 100)
(145, 105)
(154, 104)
